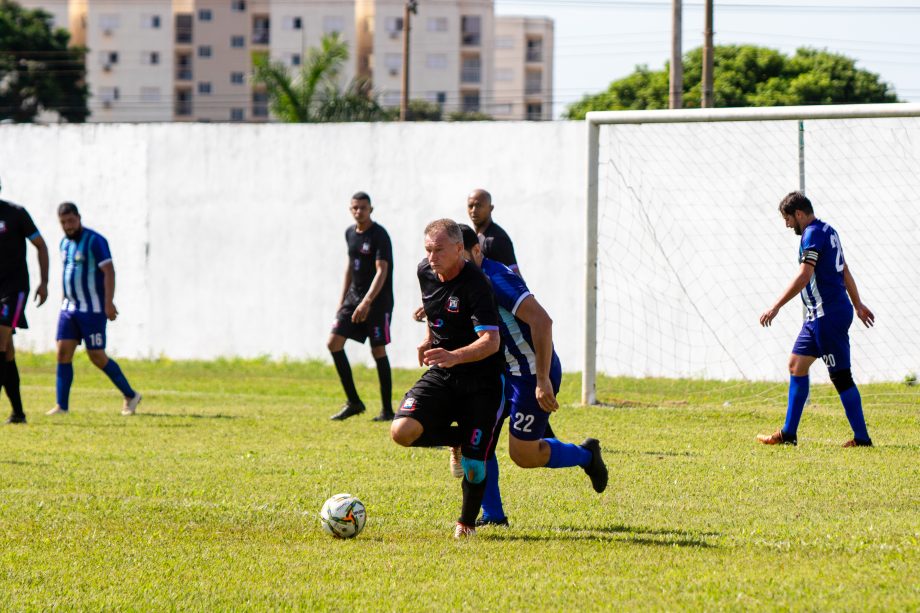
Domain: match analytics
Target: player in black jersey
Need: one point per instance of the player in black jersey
(464, 383)
(16, 226)
(366, 306)
(495, 242)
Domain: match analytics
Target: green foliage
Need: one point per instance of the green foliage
(468, 116)
(746, 75)
(422, 110)
(38, 71)
(207, 500)
(314, 93)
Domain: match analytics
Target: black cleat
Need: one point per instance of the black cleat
(16, 419)
(349, 409)
(384, 416)
(596, 468)
(503, 522)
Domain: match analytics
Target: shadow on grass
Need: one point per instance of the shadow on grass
(23, 463)
(638, 535)
(188, 415)
(670, 454)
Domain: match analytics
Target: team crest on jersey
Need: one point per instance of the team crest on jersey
(78, 257)
(437, 323)
(2, 226)
(357, 264)
(409, 404)
(366, 248)
(453, 304)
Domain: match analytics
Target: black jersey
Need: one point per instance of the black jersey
(457, 310)
(16, 227)
(364, 249)
(496, 245)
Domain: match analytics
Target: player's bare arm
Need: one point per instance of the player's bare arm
(806, 271)
(347, 282)
(862, 311)
(484, 346)
(424, 346)
(380, 277)
(108, 280)
(41, 294)
(534, 315)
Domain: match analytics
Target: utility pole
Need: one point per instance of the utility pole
(675, 97)
(707, 101)
(411, 8)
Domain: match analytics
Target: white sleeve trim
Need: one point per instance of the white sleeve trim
(104, 262)
(519, 301)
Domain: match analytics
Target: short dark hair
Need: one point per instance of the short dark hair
(470, 238)
(68, 208)
(795, 201)
(361, 196)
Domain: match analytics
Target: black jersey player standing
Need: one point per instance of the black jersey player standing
(494, 241)
(464, 382)
(366, 306)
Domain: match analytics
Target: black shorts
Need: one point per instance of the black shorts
(376, 326)
(476, 403)
(13, 310)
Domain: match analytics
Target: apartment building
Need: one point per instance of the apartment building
(59, 10)
(523, 68)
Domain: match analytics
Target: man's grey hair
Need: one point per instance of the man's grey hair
(448, 226)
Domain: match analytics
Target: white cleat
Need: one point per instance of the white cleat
(456, 468)
(57, 410)
(463, 531)
(130, 406)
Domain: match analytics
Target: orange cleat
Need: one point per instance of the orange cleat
(777, 438)
(855, 443)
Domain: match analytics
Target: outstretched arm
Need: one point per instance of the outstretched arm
(862, 311)
(806, 270)
(534, 315)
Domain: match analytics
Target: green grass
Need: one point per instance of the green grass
(207, 500)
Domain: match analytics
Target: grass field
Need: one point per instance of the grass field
(207, 500)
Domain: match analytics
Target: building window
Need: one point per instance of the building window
(292, 59)
(237, 41)
(333, 24)
(504, 42)
(471, 70)
(205, 15)
(502, 109)
(533, 83)
(204, 51)
(184, 67)
(150, 94)
(183, 105)
(108, 59)
(437, 24)
(534, 111)
(393, 63)
(439, 98)
(534, 49)
(238, 5)
(471, 102)
(150, 22)
(504, 74)
(292, 23)
(471, 30)
(237, 78)
(108, 94)
(108, 23)
(204, 87)
(393, 26)
(237, 114)
(259, 104)
(151, 58)
(436, 61)
(183, 28)
(260, 30)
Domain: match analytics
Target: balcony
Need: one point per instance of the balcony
(471, 30)
(183, 104)
(261, 30)
(533, 84)
(471, 70)
(183, 29)
(534, 50)
(183, 74)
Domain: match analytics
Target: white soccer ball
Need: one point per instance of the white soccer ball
(343, 516)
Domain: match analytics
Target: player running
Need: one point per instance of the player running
(533, 375)
(16, 227)
(88, 306)
(824, 280)
(366, 306)
(464, 382)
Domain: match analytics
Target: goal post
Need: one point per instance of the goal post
(673, 165)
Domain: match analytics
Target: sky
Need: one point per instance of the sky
(599, 41)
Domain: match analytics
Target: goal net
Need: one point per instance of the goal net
(690, 247)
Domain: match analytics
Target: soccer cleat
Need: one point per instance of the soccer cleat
(348, 410)
(463, 531)
(483, 521)
(596, 468)
(130, 406)
(16, 419)
(777, 438)
(456, 468)
(384, 416)
(57, 410)
(857, 443)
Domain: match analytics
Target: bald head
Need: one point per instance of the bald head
(481, 194)
(479, 207)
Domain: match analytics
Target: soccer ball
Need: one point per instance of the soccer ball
(343, 516)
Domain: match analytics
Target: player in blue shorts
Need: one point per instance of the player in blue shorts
(89, 292)
(824, 280)
(533, 374)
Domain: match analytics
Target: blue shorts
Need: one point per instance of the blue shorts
(827, 338)
(528, 419)
(89, 327)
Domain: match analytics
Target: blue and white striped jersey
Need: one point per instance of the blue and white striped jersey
(826, 291)
(84, 290)
(510, 291)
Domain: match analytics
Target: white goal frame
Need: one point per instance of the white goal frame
(598, 118)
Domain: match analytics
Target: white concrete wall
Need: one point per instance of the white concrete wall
(228, 240)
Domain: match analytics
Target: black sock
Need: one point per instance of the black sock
(11, 383)
(472, 500)
(344, 369)
(386, 385)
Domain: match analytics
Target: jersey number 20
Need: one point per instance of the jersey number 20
(835, 243)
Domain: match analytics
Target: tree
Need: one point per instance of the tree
(746, 75)
(314, 94)
(38, 71)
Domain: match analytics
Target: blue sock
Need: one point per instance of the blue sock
(64, 380)
(798, 394)
(852, 405)
(492, 500)
(115, 374)
(564, 455)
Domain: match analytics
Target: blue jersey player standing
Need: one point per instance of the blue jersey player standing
(824, 280)
(89, 293)
(533, 374)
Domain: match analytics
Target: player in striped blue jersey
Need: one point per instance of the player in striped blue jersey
(533, 373)
(823, 282)
(89, 293)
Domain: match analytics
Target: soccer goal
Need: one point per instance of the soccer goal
(685, 246)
